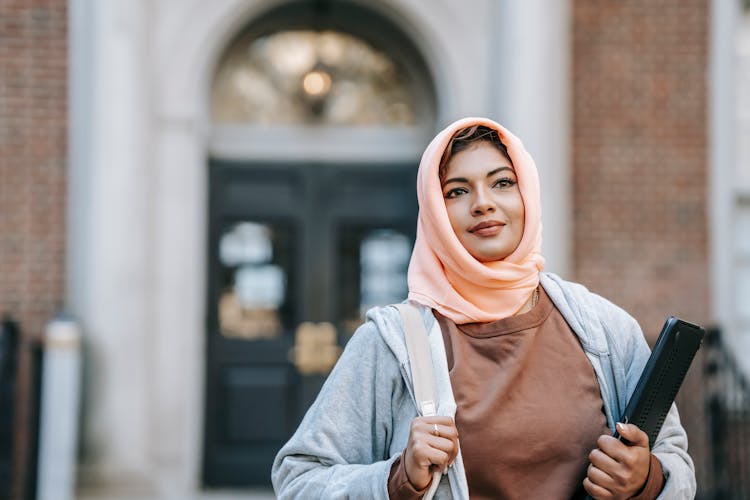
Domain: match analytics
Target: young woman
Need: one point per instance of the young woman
(532, 371)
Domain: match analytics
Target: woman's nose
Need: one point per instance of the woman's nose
(482, 204)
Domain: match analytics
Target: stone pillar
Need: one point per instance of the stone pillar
(110, 226)
(531, 95)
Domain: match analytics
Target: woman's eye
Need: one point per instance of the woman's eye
(452, 193)
(505, 182)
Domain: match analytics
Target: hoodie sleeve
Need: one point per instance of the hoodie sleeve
(340, 450)
(629, 345)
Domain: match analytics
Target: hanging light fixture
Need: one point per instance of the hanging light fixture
(317, 82)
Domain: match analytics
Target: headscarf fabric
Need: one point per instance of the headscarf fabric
(442, 274)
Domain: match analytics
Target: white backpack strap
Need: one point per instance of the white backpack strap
(423, 377)
(420, 359)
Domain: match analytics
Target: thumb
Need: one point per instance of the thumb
(633, 434)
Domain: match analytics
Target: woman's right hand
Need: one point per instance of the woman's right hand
(432, 445)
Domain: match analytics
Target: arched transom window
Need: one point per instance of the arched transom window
(298, 77)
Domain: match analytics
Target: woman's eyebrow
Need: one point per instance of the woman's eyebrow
(500, 169)
(455, 179)
(465, 180)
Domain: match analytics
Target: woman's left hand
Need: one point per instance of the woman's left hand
(619, 469)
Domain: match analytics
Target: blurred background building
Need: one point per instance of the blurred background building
(217, 190)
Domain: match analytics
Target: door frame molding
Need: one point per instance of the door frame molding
(324, 143)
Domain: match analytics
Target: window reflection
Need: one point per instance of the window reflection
(293, 77)
(384, 259)
(374, 269)
(254, 287)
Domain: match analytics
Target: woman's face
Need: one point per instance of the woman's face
(484, 204)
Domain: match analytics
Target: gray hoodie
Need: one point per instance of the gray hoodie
(359, 423)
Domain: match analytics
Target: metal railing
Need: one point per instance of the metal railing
(728, 421)
(20, 370)
(8, 349)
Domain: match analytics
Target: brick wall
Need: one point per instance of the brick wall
(640, 168)
(33, 100)
(640, 155)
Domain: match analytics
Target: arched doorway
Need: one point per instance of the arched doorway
(319, 112)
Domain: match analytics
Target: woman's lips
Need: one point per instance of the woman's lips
(487, 228)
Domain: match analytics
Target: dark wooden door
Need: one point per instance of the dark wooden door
(296, 254)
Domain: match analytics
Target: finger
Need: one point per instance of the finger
(423, 428)
(443, 431)
(437, 419)
(434, 419)
(451, 434)
(602, 461)
(595, 490)
(436, 457)
(627, 457)
(613, 448)
(633, 434)
(450, 447)
(446, 445)
(626, 470)
(444, 425)
(603, 479)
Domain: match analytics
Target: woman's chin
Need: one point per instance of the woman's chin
(489, 255)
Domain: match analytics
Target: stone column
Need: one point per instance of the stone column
(531, 95)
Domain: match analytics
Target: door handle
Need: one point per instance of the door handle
(315, 350)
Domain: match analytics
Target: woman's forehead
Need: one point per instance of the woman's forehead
(481, 156)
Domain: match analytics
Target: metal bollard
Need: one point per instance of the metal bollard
(59, 410)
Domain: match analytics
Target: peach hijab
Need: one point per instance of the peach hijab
(442, 274)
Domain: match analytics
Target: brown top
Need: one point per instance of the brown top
(529, 408)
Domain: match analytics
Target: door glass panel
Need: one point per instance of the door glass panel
(254, 299)
(374, 266)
